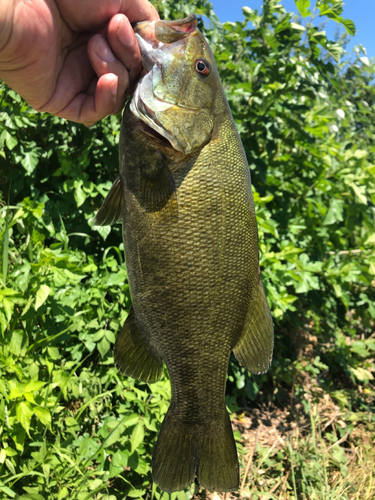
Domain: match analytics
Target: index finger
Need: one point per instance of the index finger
(93, 15)
(138, 10)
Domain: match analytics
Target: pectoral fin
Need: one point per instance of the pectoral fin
(110, 212)
(254, 349)
(158, 190)
(134, 355)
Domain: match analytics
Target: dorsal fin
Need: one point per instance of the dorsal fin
(110, 212)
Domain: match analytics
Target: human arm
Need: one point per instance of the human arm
(73, 59)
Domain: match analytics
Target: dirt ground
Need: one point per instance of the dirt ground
(272, 427)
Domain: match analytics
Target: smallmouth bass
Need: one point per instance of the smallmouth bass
(184, 198)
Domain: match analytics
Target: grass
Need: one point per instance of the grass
(324, 453)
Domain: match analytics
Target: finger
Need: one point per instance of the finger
(88, 109)
(124, 44)
(88, 15)
(73, 78)
(138, 10)
(104, 61)
(91, 15)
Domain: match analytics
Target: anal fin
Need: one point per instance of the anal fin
(255, 346)
(133, 354)
(110, 211)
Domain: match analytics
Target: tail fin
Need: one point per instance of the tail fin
(206, 452)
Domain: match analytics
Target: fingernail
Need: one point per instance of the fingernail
(113, 88)
(102, 50)
(124, 33)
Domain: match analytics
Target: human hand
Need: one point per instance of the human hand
(50, 55)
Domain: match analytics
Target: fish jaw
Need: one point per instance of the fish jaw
(166, 31)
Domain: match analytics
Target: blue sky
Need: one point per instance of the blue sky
(362, 12)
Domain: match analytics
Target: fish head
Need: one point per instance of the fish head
(176, 97)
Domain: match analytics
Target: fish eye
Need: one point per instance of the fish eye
(202, 67)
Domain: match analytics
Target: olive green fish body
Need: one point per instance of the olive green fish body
(191, 247)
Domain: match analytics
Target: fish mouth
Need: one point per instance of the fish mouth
(166, 31)
(154, 39)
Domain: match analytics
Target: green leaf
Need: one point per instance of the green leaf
(41, 296)
(303, 7)
(19, 438)
(330, 8)
(359, 192)
(33, 385)
(10, 140)
(30, 161)
(94, 484)
(370, 240)
(131, 420)
(24, 413)
(70, 421)
(117, 278)
(8, 491)
(110, 336)
(63, 493)
(3, 322)
(98, 335)
(79, 194)
(43, 414)
(10, 466)
(335, 212)
(349, 26)
(102, 230)
(16, 392)
(16, 340)
(103, 347)
(5, 244)
(8, 305)
(362, 374)
(335, 50)
(31, 494)
(360, 348)
(249, 13)
(54, 353)
(120, 458)
(137, 436)
(135, 493)
(297, 27)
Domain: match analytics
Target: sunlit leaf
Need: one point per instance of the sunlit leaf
(303, 7)
(41, 295)
(43, 415)
(24, 413)
(137, 436)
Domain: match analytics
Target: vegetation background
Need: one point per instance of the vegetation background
(70, 425)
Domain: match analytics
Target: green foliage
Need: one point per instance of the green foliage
(307, 126)
(70, 426)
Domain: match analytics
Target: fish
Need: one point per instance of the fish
(184, 197)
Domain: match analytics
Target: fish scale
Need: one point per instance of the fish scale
(191, 248)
